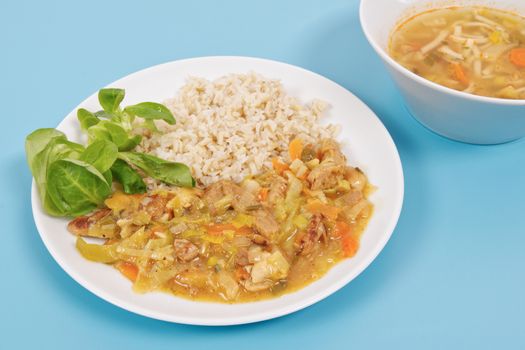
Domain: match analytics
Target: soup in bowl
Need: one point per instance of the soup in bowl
(471, 49)
(458, 64)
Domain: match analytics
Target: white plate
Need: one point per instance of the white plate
(366, 143)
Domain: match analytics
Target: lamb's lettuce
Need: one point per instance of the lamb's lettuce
(73, 180)
(111, 131)
(86, 119)
(110, 99)
(101, 154)
(151, 111)
(38, 140)
(43, 147)
(128, 177)
(76, 187)
(172, 173)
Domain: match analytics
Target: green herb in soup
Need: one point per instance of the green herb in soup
(471, 49)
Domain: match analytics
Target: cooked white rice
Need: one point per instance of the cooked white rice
(233, 126)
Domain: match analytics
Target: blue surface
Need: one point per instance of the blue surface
(451, 277)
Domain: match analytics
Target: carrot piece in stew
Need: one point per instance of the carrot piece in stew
(349, 241)
(328, 211)
(278, 166)
(128, 269)
(295, 149)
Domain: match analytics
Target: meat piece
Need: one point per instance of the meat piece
(241, 258)
(331, 169)
(330, 151)
(156, 206)
(241, 274)
(326, 175)
(80, 226)
(308, 153)
(351, 198)
(245, 200)
(250, 286)
(260, 239)
(99, 224)
(220, 195)
(265, 223)
(314, 232)
(185, 250)
(277, 189)
(218, 190)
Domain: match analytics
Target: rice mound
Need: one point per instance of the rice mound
(232, 127)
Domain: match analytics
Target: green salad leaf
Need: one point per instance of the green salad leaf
(102, 115)
(125, 120)
(150, 124)
(110, 99)
(108, 175)
(101, 154)
(76, 187)
(38, 140)
(151, 111)
(110, 131)
(127, 176)
(172, 173)
(40, 156)
(73, 180)
(86, 119)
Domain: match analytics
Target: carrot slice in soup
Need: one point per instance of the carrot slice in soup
(517, 57)
(459, 74)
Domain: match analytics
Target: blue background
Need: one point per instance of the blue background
(452, 276)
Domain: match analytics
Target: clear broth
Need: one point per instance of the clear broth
(477, 50)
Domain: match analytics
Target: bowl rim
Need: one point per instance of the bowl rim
(430, 84)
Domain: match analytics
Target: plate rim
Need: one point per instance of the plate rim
(260, 316)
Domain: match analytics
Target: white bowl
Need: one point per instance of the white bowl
(453, 114)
